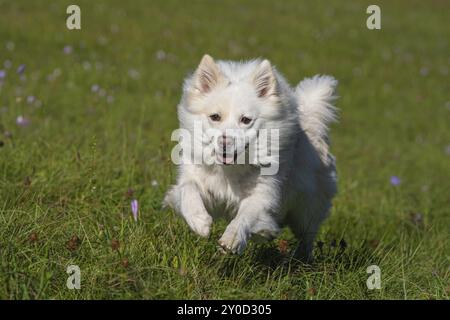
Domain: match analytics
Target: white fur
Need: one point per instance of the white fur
(314, 96)
(299, 195)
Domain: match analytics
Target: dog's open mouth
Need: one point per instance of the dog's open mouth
(227, 158)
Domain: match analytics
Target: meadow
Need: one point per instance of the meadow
(85, 123)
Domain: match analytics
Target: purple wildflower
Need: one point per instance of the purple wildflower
(135, 209)
(68, 49)
(424, 71)
(95, 88)
(30, 99)
(395, 181)
(110, 99)
(22, 121)
(161, 55)
(2, 74)
(134, 74)
(21, 69)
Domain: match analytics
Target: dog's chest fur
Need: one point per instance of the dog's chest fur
(224, 187)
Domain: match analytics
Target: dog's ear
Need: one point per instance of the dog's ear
(264, 80)
(207, 75)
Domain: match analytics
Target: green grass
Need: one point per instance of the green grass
(67, 173)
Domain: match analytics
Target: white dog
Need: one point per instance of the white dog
(248, 97)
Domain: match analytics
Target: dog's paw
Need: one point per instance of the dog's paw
(267, 234)
(262, 236)
(232, 241)
(200, 224)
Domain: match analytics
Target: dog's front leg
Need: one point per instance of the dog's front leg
(193, 210)
(254, 217)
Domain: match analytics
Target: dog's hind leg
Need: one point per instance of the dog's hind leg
(305, 236)
(305, 225)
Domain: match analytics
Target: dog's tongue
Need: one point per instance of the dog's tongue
(226, 158)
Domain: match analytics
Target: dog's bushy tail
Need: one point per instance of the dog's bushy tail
(314, 98)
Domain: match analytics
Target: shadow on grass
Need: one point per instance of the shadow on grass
(330, 258)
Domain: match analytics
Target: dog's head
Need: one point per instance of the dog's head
(233, 102)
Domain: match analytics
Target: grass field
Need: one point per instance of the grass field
(85, 124)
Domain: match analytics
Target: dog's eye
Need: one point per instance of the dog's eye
(215, 117)
(246, 120)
